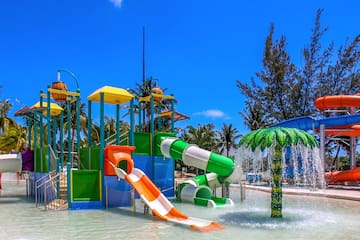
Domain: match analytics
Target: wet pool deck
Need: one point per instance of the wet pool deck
(334, 191)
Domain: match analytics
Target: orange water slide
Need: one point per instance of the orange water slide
(338, 101)
(115, 154)
(149, 193)
(343, 176)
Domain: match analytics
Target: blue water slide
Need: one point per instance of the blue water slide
(307, 123)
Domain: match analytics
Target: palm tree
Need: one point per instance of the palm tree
(145, 89)
(254, 117)
(73, 122)
(204, 136)
(109, 126)
(73, 111)
(13, 139)
(5, 121)
(227, 138)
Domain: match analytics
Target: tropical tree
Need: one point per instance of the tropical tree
(5, 121)
(13, 139)
(284, 90)
(109, 126)
(316, 60)
(111, 130)
(254, 116)
(278, 76)
(73, 123)
(227, 138)
(144, 89)
(204, 136)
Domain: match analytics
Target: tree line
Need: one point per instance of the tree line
(282, 90)
(13, 136)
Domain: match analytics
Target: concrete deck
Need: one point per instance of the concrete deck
(338, 192)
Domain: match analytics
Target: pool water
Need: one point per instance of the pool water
(304, 218)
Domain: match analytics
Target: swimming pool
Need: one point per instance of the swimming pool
(304, 218)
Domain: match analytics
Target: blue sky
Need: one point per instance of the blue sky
(197, 49)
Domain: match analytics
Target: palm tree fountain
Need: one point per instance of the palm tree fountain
(274, 141)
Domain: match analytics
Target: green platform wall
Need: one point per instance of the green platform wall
(86, 185)
(142, 143)
(38, 167)
(94, 163)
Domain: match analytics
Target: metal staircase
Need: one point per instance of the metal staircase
(51, 192)
(51, 189)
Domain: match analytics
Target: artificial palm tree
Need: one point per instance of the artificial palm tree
(275, 140)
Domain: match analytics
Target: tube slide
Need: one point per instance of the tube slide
(337, 101)
(199, 189)
(10, 162)
(307, 123)
(151, 195)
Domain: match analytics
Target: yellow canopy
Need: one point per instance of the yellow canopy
(111, 95)
(55, 109)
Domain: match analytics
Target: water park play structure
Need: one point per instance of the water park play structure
(347, 124)
(75, 173)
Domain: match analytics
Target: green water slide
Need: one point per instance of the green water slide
(199, 189)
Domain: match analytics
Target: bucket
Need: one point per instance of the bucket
(157, 90)
(59, 85)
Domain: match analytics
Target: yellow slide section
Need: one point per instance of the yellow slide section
(152, 196)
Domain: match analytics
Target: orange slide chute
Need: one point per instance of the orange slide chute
(149, 193)
(343, 176)
(340, 101)
(113, 155)
(337, 101)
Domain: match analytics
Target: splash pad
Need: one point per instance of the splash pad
(281, 155)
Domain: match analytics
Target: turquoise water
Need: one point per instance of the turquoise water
(304, 218)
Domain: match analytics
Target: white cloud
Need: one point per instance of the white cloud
(117, 3)
(211, 113)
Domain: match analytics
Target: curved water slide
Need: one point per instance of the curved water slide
(199, 189)
(331, 124)
(348, 125)
(149, 193)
